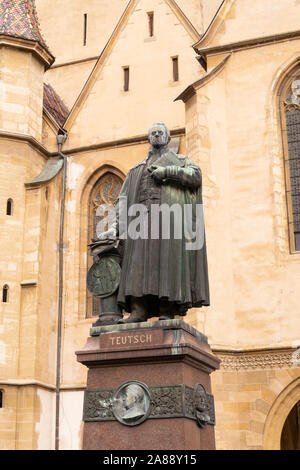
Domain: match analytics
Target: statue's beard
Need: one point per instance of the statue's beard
(157, 144)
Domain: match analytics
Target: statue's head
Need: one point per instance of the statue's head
(159, 135)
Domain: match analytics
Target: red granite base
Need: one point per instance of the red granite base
(157, 354)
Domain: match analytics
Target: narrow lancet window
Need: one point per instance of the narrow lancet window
(9, 207)
(1, 399)
(151, 23)
(84, 29)
(175, 69)
(5, 293)
(126, 78)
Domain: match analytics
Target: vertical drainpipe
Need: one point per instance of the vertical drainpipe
(61, 138)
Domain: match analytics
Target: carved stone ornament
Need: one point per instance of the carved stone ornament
(256, 360)
(133, 402)
(104, 277)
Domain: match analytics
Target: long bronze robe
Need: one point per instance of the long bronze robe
(163, 268)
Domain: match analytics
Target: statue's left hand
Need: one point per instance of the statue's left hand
(159, 173)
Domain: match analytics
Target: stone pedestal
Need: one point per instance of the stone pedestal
(169, 358)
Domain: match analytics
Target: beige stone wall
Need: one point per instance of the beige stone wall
(151, 90)
(67, 77)
(26, 419)
(21, 94)
(206, 145)
(193, 9)
(233, 127)
(248, 390)
(28, 319)
(8, 416)
(49, 133)
(248, 19)
(233, 131)
(209, 10)
(17, 161)
(102, 17)
(69, 80)
(62, 26)
(71, 427)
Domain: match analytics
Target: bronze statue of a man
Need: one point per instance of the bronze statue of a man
(163, 273)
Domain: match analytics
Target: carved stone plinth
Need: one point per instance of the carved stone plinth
(148, 387)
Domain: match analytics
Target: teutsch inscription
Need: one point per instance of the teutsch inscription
(121, 340)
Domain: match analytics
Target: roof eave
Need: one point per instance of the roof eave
(35, 47)
(191, 89)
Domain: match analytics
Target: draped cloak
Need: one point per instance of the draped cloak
(164, 268)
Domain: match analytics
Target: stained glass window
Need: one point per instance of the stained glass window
(292, 120)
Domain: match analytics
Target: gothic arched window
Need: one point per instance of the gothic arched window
(291, 130)
(104, 193)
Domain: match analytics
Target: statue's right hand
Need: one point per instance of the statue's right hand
(111, 233)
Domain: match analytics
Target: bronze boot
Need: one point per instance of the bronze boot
(138, 311)
(166, 310)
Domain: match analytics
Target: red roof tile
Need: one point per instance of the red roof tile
(54, 105)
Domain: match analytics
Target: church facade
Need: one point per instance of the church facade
(225, 78)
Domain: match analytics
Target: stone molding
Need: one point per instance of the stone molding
(263, 359)
(26, 383)
(29, 46)
(142, 139)
(28, 139)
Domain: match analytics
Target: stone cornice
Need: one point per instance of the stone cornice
(26, 383)
(39, 384)
(248, 43)
(74, 62)
(140, 139)
(30, 46)
(231, 361)
(29, 140)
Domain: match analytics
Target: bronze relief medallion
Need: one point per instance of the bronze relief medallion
(131, 403)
